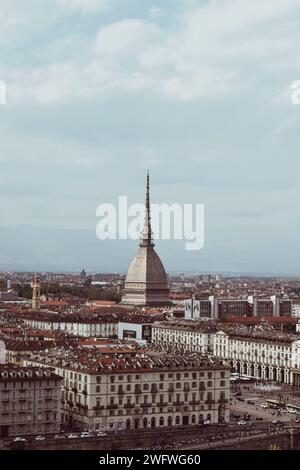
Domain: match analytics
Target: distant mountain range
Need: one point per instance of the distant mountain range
(31, 248)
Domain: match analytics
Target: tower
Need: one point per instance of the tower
(36, 293)
(146, 281)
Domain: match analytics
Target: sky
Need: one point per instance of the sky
(198, 91)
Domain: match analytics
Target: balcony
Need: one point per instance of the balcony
(145, 405)
(112, 407)
(209, 402)
(178, 403)
(137, 390)
(194, 402)
(162, 403)
(223, 400)
(99, 407)
(74, 389)
(129, 405)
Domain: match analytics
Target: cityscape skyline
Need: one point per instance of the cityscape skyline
(149, 230)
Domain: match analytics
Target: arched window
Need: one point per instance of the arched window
(177, 419)
(145, 422)
(161, 421)
(193, 419)
(170, 421)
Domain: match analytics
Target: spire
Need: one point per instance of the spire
(146, 234)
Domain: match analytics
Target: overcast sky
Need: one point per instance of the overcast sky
(197, 91)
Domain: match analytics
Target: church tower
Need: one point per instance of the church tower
(36, 293)
(146, 281)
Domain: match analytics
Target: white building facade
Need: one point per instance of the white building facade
(269, 356)
(144, 397)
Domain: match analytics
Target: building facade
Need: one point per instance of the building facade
(30, 401)
(87, 328)
(216, 308)
(263, 354)
(144, 391)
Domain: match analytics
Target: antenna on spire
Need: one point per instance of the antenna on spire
(148, 194)
(146, 235)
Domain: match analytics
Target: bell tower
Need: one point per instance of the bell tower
(36, 293)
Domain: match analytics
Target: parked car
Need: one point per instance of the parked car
(73, 436)
(59, 436)
(40, 438)
(86, 434)
(264, 405)
(242, 423)
(19, 439)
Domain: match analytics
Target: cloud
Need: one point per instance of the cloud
(86, 6)
(201, 52)
(203, 83)
(155, 12)
(125, 37)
